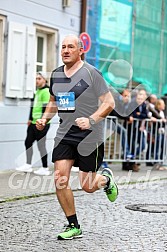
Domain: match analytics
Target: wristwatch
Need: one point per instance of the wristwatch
(92, 121)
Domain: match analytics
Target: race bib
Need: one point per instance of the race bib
(65, 101)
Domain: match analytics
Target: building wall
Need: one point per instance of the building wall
(14, 111)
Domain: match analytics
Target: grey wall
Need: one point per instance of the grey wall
(14, 113)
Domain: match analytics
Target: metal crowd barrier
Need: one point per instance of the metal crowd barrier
(140, 141)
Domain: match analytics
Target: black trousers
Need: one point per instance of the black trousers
(33, 134)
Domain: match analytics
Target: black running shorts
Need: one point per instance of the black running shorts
(87, 156)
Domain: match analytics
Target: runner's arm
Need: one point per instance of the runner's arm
(50, 111)
(106, 106)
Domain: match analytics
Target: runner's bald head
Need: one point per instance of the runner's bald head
(78, 41)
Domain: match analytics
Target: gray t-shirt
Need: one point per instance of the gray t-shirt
(78, 96)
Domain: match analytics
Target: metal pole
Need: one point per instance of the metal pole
(133, 39)
(83, 19)
(161, 49)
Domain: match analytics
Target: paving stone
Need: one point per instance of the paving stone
(33, 224)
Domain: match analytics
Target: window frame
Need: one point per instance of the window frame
(44, 56)
(52, 47)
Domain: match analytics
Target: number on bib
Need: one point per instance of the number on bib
(65, 101)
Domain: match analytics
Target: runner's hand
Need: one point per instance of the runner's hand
(83, 123)
(40, 124)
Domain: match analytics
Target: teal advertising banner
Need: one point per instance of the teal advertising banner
(116, 23)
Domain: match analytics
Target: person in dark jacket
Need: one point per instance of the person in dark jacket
(121, 111)
(136, 137)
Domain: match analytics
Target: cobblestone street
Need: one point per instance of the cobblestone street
(33, 224)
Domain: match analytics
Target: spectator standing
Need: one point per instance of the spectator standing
(136, 136)
(38, 105)
(153, 115)
(159, 132)
(121, 111)
(122, 102)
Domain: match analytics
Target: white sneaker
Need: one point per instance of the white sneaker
(25, 168)
(43, 171)
(75, 169)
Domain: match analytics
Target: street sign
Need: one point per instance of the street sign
(86, 41)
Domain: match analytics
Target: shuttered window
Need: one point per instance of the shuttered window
(20, 74)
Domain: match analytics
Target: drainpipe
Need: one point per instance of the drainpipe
(83, 20)
(161, 70)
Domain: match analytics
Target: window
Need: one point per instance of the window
(41, 41)
(20, 70)
(46, 45)
(34, 50)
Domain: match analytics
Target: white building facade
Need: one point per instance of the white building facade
(31, 32)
